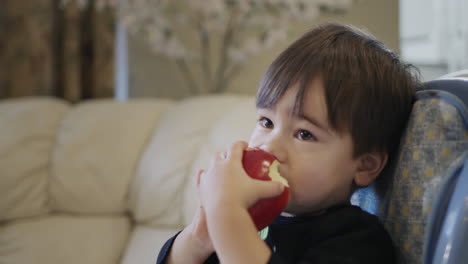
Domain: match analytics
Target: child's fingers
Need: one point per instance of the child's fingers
(220, 155)
(200, 172)
(237, 150)
(268, 189)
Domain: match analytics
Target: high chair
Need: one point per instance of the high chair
(422, 196)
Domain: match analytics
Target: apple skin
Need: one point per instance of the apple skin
(257, 163)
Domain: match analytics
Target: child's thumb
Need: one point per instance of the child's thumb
(200, 172)
(268, 189)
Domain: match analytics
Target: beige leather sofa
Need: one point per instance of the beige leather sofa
(106, 182)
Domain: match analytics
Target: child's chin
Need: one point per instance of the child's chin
(292, 210)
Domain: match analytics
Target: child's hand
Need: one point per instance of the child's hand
(199, 234)
(198, 229)
(226, 192)
(226, 184)
(193, 245)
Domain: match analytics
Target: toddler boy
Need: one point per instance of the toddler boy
(331, 108)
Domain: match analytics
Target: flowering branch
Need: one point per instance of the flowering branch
(224, 62)
(243, 28)
(185, 70)
(205, 54)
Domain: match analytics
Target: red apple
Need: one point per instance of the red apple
(262, 165)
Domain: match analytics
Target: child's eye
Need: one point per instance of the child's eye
(265, 122)
(306, 135)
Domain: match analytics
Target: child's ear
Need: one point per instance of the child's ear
(369, 167)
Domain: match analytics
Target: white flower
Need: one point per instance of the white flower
(215, 24)
(336, 4)
(174, 48)
(155, 37)
(251, 46)
(275, 36)
(207, 7)
(237, 55)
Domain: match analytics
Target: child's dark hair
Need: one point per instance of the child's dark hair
(368, 91)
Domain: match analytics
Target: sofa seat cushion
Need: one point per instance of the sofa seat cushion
(145, 243)
(59, 239)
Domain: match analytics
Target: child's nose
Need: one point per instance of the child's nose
(275, 147)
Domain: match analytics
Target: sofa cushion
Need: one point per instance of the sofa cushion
(98, 146)
(27, 139)
(236, 124)
(62, 239)
(145, 243)
(167, 162)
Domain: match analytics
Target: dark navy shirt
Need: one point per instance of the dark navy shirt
(342, 234)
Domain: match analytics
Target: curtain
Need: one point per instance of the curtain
(54, 50)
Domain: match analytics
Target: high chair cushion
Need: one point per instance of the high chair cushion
(447, 228)
(435, 139)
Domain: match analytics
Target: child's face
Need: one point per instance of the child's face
(317, 162)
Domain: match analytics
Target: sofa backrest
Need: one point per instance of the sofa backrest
(28, 129)
(79, 159)
(103, 157)
(188, 134)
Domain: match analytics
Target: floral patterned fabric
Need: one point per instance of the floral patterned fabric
(47, 49)
(434, 141)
